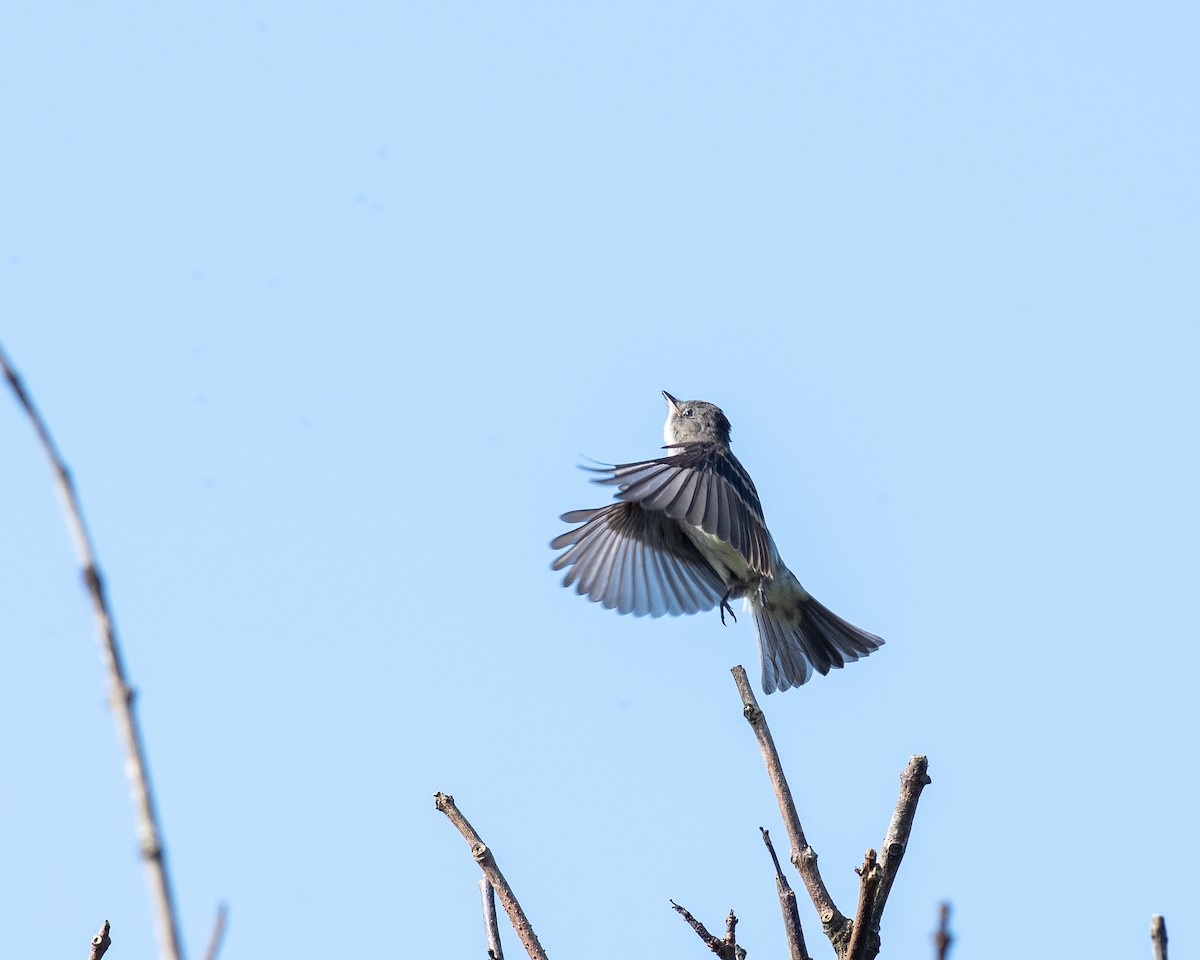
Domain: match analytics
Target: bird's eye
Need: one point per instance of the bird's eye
(688, 413)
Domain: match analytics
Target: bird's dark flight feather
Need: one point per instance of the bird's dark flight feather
(636, 561)
(702, 484)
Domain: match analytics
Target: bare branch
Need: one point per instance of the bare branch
(100, 942)
(804, 857)
(713, 943)
(488, 893)
(942, 938)
(1158, 936)
(218, 933)
(727, 948)
(868, 888)
(483, 856)
(913, 780)
(797, 950)
(120, 695)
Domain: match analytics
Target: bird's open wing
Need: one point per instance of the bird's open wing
(704, 485)
(635, 561)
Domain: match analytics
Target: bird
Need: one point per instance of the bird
(686, 534)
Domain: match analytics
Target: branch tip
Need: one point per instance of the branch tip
(942, 937)
(218, 932)
(1158, 936)
(100, 942)
(803, 857)
(128, 730)
(491, 870)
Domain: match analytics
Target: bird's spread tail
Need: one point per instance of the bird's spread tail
(801, 635)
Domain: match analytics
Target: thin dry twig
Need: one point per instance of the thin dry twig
(710, 941)
(218, 933)
(120, 696)
(490, 924)
(100, 942)
(865, 931)
(942, 938)
(858, 940)
(797, 949)
(726, 948)
(868, 888)
(1158, 936)
(483, 856)
(913, 780)
(804, 857)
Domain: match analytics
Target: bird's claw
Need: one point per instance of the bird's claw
(725, 606)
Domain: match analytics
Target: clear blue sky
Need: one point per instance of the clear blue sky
(325, 302)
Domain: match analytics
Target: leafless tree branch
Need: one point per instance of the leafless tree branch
(1158, 936)
(488, 894)
(804, 857)
(868, 888)
(120, 696)
(858, 940)
(913, 780)
(726, 948)
(864, 934)
(942, 938)
(100, 942)
(701, 929)
(218, 933)
(797, 949)
(483, 856)
(731, 929)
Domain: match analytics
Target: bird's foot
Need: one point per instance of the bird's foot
(725, 606)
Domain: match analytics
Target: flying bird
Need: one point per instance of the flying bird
(687, 534)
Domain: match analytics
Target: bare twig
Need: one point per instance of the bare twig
(488, 893)
(942, 938)
(868, 888)
(804, 857)
(100, 942)
(483, 856)
(852, 940)
(1158, 936)
(726, 948)
(731, 929)
(797, 950)
(120, 696)
(701, 929)
(913, 780)
(218, 933)
(713, 943)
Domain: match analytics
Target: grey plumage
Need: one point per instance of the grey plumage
(687, 534)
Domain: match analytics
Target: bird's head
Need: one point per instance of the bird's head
(694, 421)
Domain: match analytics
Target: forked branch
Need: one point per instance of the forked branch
(483, 856)
(724, 947)
(804, 857)
(857, 939)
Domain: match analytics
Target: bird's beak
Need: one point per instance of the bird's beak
(671, 400)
